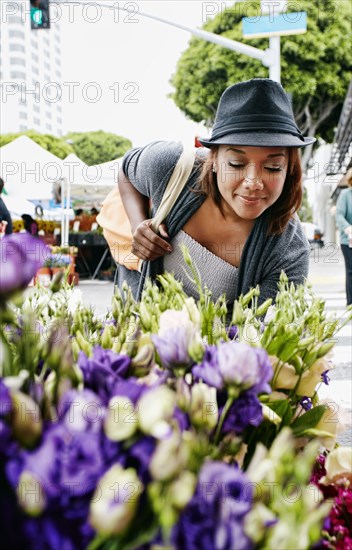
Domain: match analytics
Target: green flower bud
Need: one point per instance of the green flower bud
(106, 339)
(30, 494)
(238, 316)
(26, 421)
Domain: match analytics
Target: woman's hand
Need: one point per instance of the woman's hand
(147, 245)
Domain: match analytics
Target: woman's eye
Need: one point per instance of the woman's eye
(273, 168)
(236, 165)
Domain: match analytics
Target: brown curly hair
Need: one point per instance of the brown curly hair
(286, 205)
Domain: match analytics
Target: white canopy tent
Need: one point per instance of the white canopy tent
(89, 184)
(29, 171)
(85, 186)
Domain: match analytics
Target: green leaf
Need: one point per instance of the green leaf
(308, 420)
(282, 408)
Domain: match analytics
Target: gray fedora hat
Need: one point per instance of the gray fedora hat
(256, 113)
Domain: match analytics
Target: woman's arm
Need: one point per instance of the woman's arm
(146, 244)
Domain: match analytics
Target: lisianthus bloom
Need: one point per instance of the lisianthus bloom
(215, 515)
(81, 411)
(176, 338)
(170, 456)
(332, 423)
(67, 465)
(103, 371)
(245, 411)
(313, 376)
(115, 501)
(338, 466)
(203, 406)
(235, 365)
(285, 375)
(121, 420)
(21, 255)
(155, 410)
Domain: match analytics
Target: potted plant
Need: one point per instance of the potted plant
(43, 275)
(59, 262)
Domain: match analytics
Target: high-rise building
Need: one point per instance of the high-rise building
(30, 72)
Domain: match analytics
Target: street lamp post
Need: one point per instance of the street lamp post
(269, 58)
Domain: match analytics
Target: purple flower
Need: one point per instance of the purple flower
(138, 457)
(235, 364)
(103, 371)
(55, 532)
(21, 255)
(130, 388)
(306, 403)
(5, 400)
(245, 411)
(232, 332)
(208, 370)
(81, 411)
(325, 378)
(214, 516)
(173, 346)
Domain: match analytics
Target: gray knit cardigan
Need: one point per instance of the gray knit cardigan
(264, 256)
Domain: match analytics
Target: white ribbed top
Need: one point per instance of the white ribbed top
(217, 274)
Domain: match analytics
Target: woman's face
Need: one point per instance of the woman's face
(250, 179)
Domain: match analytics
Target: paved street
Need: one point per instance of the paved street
(327, 277)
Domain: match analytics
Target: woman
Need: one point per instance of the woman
(237, 211)
(344, 225)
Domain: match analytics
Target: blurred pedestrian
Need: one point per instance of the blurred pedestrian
(30, 224)
(344, 225)
(5, 215)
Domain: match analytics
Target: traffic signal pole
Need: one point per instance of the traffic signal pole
(269, 58)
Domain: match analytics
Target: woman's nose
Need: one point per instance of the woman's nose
(253, 178)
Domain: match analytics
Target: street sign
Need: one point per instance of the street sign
(278, 25)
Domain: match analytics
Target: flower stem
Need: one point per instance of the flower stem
(225, 410)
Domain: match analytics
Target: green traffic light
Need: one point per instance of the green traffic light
(37, 16)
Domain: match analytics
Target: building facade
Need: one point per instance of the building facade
(30, 67)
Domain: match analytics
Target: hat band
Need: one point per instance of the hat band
(254, 123)
(232, 130)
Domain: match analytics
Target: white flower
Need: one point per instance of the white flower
(75, 300)
(155, 409)
(16, 382)
(170, 457)
(171, 319)
(204, 408)
(338, 465)
(332, 423)
(312, 377)
(190, 307)
(121, 420)
(182, 490)
(115, 501)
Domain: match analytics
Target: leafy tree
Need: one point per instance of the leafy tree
(316, 67)
(98, 147)
(56, 146)
(305, 212)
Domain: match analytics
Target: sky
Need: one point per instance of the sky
(118, 67)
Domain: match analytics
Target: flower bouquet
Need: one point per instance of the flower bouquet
(166, 424)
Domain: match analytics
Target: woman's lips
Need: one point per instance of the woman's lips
(250, 200)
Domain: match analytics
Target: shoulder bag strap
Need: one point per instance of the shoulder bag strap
(178, 180)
